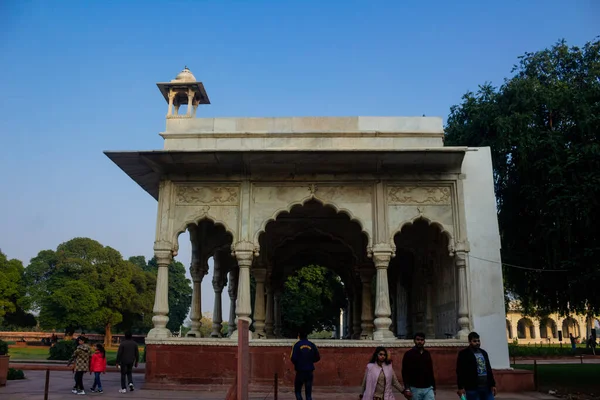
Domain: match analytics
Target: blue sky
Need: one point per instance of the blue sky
(78, 77)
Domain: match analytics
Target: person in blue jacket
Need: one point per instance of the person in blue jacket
(304, 356)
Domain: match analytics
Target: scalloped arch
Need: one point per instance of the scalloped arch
(324, 203)
(430, 222)
(195, 221)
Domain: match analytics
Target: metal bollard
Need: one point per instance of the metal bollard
(47, 384)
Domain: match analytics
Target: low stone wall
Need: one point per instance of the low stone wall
(342, 364)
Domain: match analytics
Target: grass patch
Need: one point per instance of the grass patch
(567, 378)
(42, 353)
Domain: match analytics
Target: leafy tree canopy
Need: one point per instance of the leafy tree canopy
(86, 285)
(12, 294)
(542, 126)
(311, 300)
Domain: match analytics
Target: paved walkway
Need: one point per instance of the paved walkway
(61, 383)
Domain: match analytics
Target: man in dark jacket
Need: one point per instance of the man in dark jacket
(474, 374)
(304, 356)
(417, 371)
(127, 357)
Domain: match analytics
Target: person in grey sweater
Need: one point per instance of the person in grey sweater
(127, 357)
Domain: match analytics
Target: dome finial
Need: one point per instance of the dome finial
(185, 76)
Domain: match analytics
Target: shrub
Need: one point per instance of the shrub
(3, 348)
(62, 350)
(14, 374)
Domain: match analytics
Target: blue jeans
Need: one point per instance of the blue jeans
(422, 393)
(97, 383)
(303, 378)
(480, 394)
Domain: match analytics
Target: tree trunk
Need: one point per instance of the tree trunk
(107, 336)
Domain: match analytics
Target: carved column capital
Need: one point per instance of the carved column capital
(259, 274)
(244, 251)
(382, 253)
(198, 270)
(461, 259)
(366, 275)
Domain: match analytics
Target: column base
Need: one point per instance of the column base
(234, 335)
(383, 335)
(159, 333)
(193, 333)
(382, 329)
(463, 334)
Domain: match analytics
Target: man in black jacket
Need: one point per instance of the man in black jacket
(417, 371)
(304, 356)
(474, 374)
(127, 357)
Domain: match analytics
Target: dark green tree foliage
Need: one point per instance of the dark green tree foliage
(543, 128)
(13, 301)
(180, 292)
(86, 285)
(311, 300)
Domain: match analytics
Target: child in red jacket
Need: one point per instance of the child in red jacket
(98, 366)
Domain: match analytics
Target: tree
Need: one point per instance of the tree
(13, 305)
(85, 285)
(311, 300)
(543, 128)
(180, 290)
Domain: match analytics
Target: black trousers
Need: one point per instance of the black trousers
(303, 378)
(126, 370)
(79, 380)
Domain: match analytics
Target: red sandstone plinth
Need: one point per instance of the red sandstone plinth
(340, 366)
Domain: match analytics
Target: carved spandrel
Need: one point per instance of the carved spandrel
(419, 195)
(201, 195)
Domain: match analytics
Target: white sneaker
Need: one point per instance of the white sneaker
(131, 387)
(122, 391)
(81, 392)
(74, 391)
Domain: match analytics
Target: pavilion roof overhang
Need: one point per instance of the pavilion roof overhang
(148, 167)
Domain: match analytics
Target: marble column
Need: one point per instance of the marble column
(429, 327)
(401, 311)
(171, 97)
(515, 330)
(197, 271)
(348, 320)
(463, 301)
(164, 257)
(356, 311)
(232, 290)
(536, 330)
(382, 254)
(190, 101)
(244, 253)
(277, 314)
(259, 303)
(218, 283)
(367, 308)
(269, 313)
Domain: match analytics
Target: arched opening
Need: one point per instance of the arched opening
(312, 234)
(423, 282)
(508, 330)
(570, 326)
(210, 246)
(548, 329)
(525, 329)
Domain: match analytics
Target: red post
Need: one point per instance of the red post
(275, 387)
(46, 385)
(243, 367)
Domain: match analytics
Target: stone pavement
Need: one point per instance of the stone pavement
(61, 383)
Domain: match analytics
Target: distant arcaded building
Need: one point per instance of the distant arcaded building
(528, 329)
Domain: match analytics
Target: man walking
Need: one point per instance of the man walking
(127, 357)
(304, 356)
(474, 374)
(417, 371)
